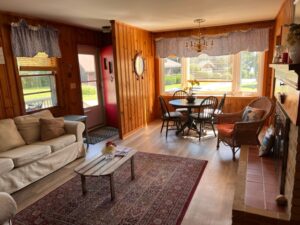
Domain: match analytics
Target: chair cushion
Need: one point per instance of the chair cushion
(9, 135)
(174, 115)
(225, 129)
(6, 165)
(252, 114)
(52, 128)
(26, 154)
(181, 110)
(201, 115)
(29, 125)
(59, 142)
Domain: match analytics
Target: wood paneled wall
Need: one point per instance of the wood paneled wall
(284, 16)
(70, 102)
(136, 97)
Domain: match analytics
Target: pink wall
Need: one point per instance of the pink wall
(108, 75)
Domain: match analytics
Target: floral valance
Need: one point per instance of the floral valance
(28, 40)
(225, 44)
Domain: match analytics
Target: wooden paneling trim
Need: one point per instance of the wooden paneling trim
(136, 97)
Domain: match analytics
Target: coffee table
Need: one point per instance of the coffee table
(100, 166)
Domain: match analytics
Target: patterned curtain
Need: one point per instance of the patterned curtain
(225, 44)
(28, 40)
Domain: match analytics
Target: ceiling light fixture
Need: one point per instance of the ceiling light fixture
(199, 44)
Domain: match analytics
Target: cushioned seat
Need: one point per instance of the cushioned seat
(174, 114)
(6, 165)
(26, 154)
(58, 143)
(225, 129)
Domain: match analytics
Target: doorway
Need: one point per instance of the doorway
(92, 98)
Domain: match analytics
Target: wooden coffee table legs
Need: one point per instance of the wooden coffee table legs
(112, 187)
(83, 184)
(111, 181)
(132, 168)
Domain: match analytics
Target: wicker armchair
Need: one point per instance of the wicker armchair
(233, 131)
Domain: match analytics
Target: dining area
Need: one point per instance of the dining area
(185, 113)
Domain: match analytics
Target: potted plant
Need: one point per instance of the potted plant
(293, 41)
(191, 98)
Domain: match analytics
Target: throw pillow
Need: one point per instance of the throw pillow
(29, 125)
(51, 128)
(267, 142)
(252, 114)
(9, 135)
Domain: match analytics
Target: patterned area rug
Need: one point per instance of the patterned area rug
(160, 194)
(101, 134)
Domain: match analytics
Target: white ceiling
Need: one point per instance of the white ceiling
(152, 15)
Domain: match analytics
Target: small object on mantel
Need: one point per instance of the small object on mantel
(281, 200)
(282, 97)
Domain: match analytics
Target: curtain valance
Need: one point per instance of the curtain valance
(28, 40)
(225, 44)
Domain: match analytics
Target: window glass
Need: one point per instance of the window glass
(233, 74)
(172, 74)
(249, 71)
(213, 72)
(37, 76)
(88, 75)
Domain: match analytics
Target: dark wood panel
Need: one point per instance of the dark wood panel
(136, 97)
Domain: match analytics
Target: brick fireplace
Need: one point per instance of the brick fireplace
(286, 93)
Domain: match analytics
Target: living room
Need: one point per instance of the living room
(88, 92)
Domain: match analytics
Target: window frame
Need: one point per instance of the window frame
(236, 78)
(54, 70)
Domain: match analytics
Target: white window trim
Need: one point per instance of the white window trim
(235, 78)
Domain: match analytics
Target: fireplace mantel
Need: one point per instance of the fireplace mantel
(289, 73)
(287, 89)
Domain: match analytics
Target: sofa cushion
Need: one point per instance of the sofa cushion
(59, 142)
(26, 154)
(6, 165)
(9, 135)
(29, 125)
(52, 128)
(253, 114)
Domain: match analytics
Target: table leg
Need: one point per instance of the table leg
(86, 134)
(83, 185)
(132, 168)
(112, 186)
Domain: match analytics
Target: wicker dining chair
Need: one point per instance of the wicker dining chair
(234, 130)
(205, 114)
(167, 116)
(180, 94)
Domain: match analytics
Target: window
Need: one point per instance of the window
(233, 74)
(38, 81)
(89, 80)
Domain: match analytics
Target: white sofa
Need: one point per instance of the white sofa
(24, 158)
(8, 208)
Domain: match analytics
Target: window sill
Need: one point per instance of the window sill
(220, 95)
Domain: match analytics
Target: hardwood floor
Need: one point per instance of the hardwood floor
(212, 201)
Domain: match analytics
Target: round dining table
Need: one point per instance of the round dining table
(183, 103)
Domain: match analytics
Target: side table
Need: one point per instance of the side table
(81, 118)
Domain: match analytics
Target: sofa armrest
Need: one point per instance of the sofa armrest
(8, 207)
(76, 128)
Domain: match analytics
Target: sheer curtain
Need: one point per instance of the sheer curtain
(28, 40)
(225, 44)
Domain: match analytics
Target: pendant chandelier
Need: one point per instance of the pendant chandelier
(199, 44)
